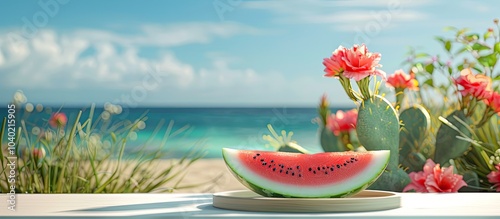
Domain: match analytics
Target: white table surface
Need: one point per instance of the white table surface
(188, 205)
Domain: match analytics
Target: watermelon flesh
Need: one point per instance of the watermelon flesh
(321, 175)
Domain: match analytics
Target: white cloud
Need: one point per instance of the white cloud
(104, 66)
(222, 83)
(357, 19)
(50, 57)
(169, 35)
(342, 15)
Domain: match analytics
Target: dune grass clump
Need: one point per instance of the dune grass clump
(88, 156)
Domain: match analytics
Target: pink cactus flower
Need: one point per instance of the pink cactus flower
(335, 65)
(58, 120)
(402, 80)
(494, 177)
(493, 101)
(355, 63)
(433, 178)
(342, 121)
(479, 86)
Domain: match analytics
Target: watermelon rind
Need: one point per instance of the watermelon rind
(259, 186)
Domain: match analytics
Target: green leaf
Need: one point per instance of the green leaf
(472, 37)
(488, 60)
(429, 82)
(462, 31)
(479, 47)
(447, 45)
(487, 35)
(450, 70)
(420, 68)
(421, 55)
(463, 49)
(497, 47)
(450, 28)
(497, 78)
(460, 67)
(429, 68)
(440, 39)
(477, 68)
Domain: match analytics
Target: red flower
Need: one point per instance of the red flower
(479, 86)
(335, 65)
(58, 120)
(493, 101)
(402, 80)
(494, 177)
(355, 63)
(342, 121)
(417, 182)
(38, 153)
(433, 178)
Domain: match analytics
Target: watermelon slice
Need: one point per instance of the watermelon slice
(322, 175)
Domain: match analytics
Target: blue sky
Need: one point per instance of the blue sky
(208, 53)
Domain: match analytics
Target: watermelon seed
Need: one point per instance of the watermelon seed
(258, 154)
(289, 168)
(300, 175)
(323, 167)
(298, 167)
(326, 172)
(269, 165)
(314, 171)
(254, 157)
(281, 171)
(331, 168)
(310, 168)
(263, 164)
(272, 161)
(293, 173)
(352, 158)
(338, 166)
(286, 172)
(261, 159)
(345, 164)
(274, 169)
(319, 168)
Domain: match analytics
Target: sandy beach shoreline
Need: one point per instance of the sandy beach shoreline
(204, 170)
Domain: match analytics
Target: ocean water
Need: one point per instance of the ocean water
(210, 128)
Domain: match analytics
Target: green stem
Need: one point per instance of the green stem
(66, 155)
(2, 129)
(399, 97)
(346, 84)
(487, 115)
(364, 87)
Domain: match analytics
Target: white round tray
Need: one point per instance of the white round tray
(367, 200)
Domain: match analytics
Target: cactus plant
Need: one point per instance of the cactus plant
(378, 127)
(413, 162)
(392, 180)
(329, 142)
(472, 180)
(416, 123)
(448, 146)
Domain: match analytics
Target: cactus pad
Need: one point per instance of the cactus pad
(378, 127)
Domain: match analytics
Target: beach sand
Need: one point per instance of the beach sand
(205, 170)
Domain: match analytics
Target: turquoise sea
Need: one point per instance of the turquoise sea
(212, 128)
